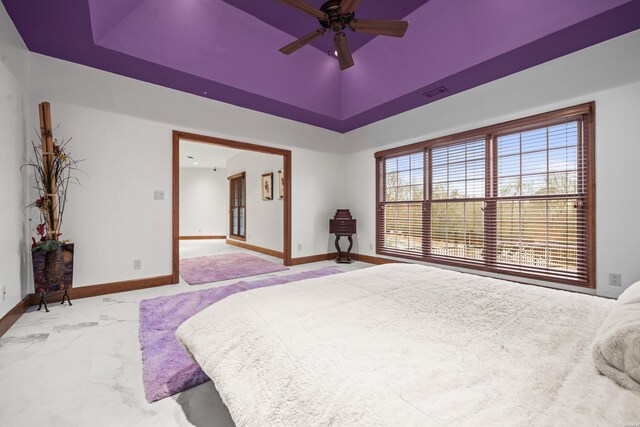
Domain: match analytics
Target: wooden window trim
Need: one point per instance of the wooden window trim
(238, 175)
(585, 112)
(243, 177)
(505, 128)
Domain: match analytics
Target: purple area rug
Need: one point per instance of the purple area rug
(215, 268)
(166, 367)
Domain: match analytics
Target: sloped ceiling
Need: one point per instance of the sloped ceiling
(228, 50)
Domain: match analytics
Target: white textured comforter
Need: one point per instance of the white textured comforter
(407, 345)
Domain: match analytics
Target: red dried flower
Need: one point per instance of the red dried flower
(40, 229)
(40, 202)
(33, 242)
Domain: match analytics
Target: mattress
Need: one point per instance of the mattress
(408, 345)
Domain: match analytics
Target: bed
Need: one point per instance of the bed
(408, 345)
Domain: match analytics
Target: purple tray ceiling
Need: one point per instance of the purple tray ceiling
(230, 52)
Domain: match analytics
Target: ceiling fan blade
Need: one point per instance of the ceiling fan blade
(380, 27)
(344, 53)
(305, 7)
(348, 6)
(303, 41)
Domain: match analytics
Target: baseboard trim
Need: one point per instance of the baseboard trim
(202, 237)
(262, 250)
(14, 314)
(314, 258)
(108, 288)
(82, 292)
(132, 285)
(374, 259)
(331, 256)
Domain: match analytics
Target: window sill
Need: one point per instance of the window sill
(482, 269)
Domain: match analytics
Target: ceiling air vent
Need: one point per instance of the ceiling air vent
(434, 93)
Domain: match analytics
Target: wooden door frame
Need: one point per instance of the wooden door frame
(203, 139)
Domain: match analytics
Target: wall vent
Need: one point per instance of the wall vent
(433, 93)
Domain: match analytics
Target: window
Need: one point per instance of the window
(237, 206)
(404, 192)
(515, 198)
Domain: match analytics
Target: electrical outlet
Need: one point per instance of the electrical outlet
(615, 279)
(248, 236)
(299, 247)
(370, 246)
(137, 264)
(158, 195)
(4, 293)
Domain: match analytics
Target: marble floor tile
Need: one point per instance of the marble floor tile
(82, 365)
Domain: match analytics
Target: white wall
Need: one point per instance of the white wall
(14, 249)
(204, 202)
(608, 73)
(321, 191)
(265, 218)
(122, 127)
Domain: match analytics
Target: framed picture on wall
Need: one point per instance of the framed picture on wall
(267, 186)
(280, 184)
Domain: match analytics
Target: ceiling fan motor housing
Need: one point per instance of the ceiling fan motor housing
(336, 20)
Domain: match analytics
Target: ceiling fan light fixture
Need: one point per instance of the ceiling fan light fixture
(337, 15)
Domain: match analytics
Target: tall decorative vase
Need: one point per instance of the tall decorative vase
(53, 268)
(53, 273)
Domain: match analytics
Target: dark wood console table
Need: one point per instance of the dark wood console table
(343, 224)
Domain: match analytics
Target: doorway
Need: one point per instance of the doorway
(213, 141)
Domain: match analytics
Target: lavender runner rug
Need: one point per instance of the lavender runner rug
(166, 367)
(207, 269)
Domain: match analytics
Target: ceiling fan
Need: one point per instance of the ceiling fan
(337, 15)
